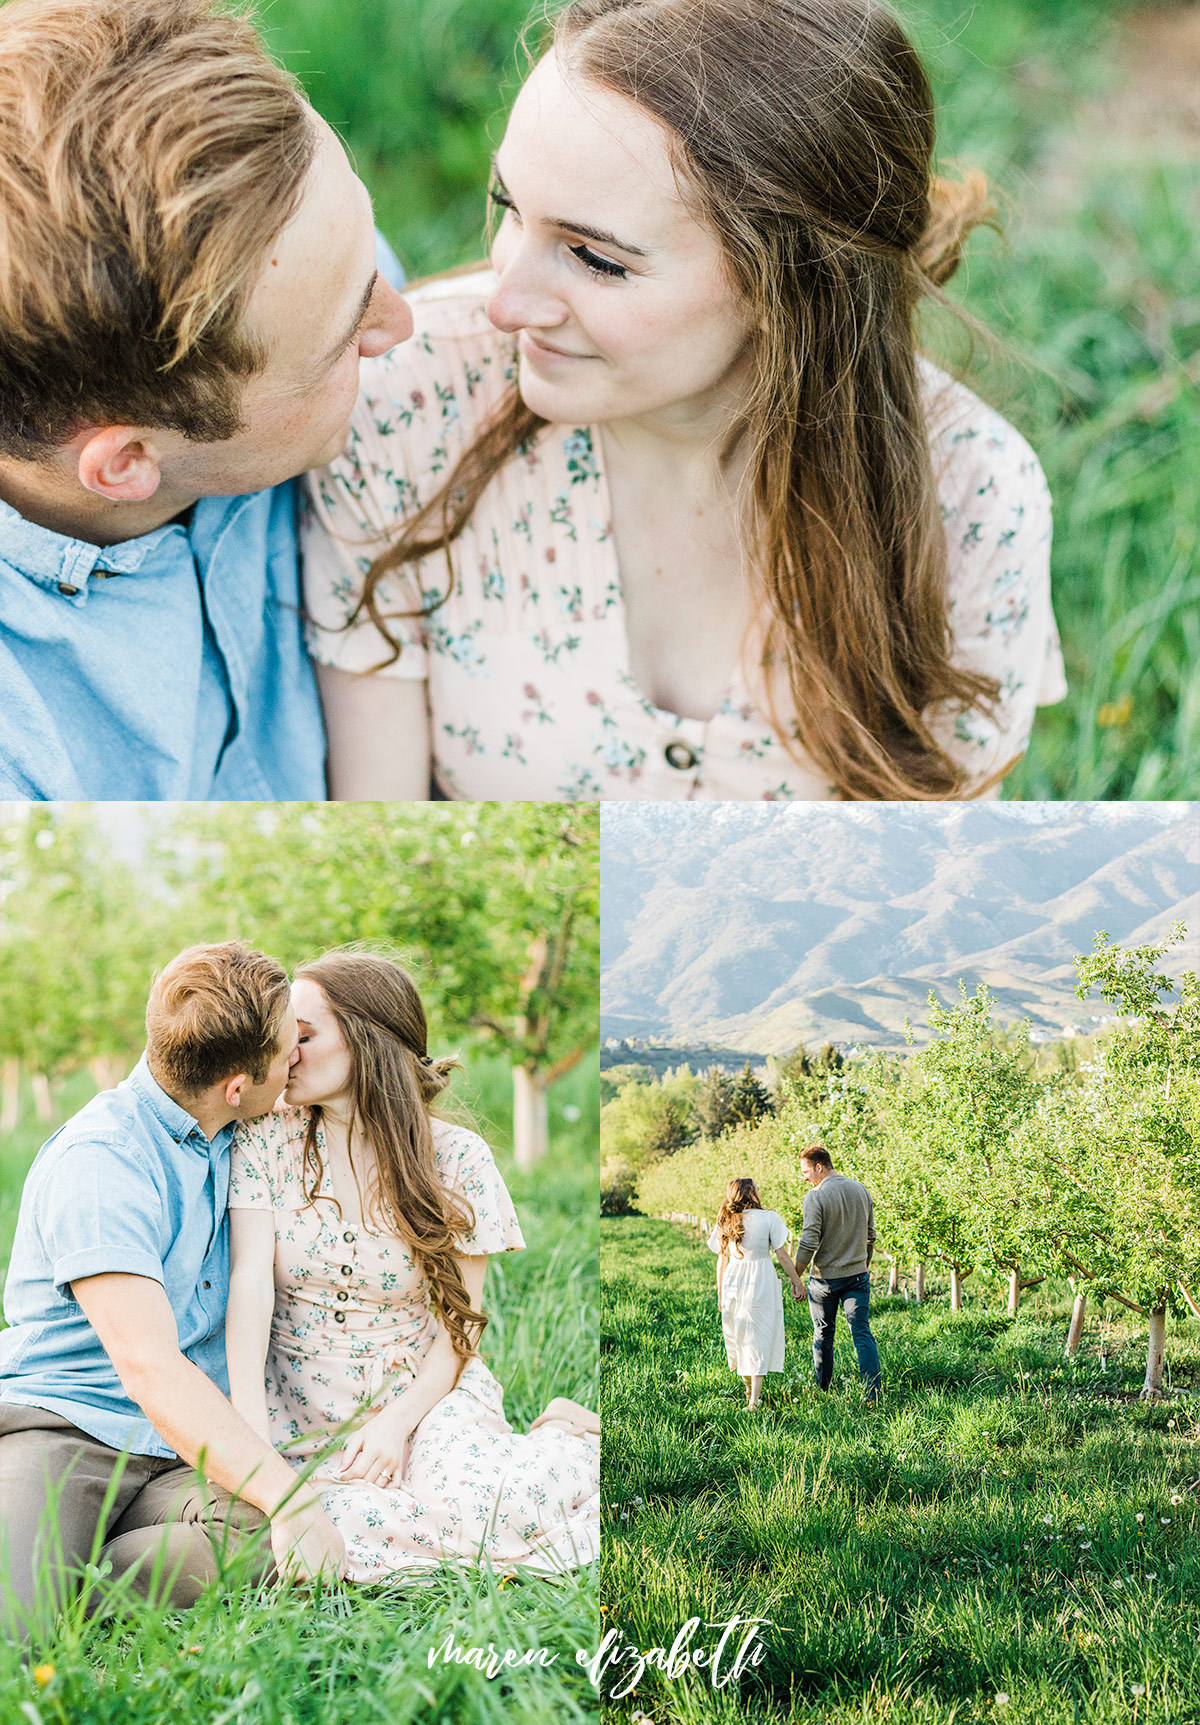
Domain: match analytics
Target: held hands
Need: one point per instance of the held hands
(378, 1452)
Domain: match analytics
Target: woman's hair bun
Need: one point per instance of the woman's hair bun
(955, 207)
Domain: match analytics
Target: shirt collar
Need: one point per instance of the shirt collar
(58, 563)
(181, 1125)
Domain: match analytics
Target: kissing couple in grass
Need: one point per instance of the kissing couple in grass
(663, 502)
(837, 1239)
(173, 1375)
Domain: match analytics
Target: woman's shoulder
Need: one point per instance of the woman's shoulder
(271, 1133)
(457, 1148)
(453, 366)
(977, 454)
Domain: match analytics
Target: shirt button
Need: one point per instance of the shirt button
(346, 1270)
(339, 1317)
(342, 1294)
(208, 1284)
(680, 755)
(66, 589)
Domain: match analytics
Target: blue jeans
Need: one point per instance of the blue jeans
(824, 1298)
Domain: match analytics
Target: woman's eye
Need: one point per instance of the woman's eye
(593, 261)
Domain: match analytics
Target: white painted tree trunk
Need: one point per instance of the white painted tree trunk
(894, 1278)
(956, 1282)
(920, 1294)
(1156, 1348)
(1075, 1333)
(107, 1070)
(531, 1128)
(42, 1105)
(10, 1113)
(1014, 1292)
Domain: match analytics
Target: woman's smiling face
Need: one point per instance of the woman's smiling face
(617, 293)
(321, 1075)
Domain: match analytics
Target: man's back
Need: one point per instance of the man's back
(839, 1228)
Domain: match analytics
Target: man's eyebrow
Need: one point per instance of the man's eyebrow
(601, 236)
(353, 330)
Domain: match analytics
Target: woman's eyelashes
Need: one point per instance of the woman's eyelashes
(591, 261)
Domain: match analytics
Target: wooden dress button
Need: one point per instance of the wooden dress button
(680, 756)
(339, 1317)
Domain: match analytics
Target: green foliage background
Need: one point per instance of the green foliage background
(1091, 292)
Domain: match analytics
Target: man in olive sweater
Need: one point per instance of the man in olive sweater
(838, 1238)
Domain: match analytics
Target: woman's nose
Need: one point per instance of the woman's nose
(523, 298)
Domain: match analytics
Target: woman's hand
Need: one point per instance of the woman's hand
(378, 1452)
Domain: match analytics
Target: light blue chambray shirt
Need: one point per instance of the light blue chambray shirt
(171, 666)
(168, 666)
(130, 1185)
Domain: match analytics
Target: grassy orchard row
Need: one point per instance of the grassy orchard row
(980, 1165)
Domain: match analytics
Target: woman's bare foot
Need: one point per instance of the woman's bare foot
(572, 1416)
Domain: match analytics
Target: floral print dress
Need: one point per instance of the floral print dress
(352, 1323)
(524, 650)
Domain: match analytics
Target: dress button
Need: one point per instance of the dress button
(348, 1237)
(680, 755)
(342, 1294)
(66, 589)
(339, 1317)
(346, 1270)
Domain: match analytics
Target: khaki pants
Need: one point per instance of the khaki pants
(159, 1521)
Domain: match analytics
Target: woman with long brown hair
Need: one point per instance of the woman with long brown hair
(361, 1226)
(748, 1294)
(666, 505)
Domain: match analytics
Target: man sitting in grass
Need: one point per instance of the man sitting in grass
(189, 276)
(112, 1376)
(838, 1239)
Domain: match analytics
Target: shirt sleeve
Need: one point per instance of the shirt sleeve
(250, 1161)
(779, 1230)
(100, 1212)
(810, 1233)
(478, 1179)
(996, 509)
(714, 1241)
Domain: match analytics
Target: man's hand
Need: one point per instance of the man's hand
(306, 1543)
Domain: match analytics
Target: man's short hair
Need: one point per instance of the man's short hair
(213, 1012)
(151, 152)
(816, 1153)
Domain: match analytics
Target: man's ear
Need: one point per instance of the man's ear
(234, 1087)
(120, 463)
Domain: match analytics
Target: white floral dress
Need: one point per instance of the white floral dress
(529, 685)
(751, 1296)
(352, 1323)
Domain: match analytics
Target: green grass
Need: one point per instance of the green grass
(360, 1656)
(976, 1536)
(1092, 293)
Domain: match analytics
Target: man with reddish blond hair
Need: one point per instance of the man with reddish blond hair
(113, 1382)
(188, 277)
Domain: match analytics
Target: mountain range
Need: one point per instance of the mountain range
(759, 926)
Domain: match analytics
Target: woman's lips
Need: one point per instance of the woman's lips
(543, 354)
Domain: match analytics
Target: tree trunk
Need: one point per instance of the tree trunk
(920, 1289)
(10, 1113)
(107, 1070)
(1156, 1347)
(1075, 1333)
(1014, 1292)
(531, 1131)
(956, 1282)
(894, 1278)
(42, 1105)
(1188, 1296)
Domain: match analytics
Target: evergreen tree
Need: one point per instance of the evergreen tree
(751, 1099)
(714, 1103)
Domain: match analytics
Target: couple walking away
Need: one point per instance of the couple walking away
(837, 1238)
(658, 501)
(317, 1344)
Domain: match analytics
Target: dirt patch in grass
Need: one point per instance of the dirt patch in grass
(1156, 101)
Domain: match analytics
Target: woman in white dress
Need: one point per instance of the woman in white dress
(361, 1226)
(748, 1292)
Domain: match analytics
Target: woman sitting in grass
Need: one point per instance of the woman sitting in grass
(361, 1226)
(748, 1293)
(666, 504)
